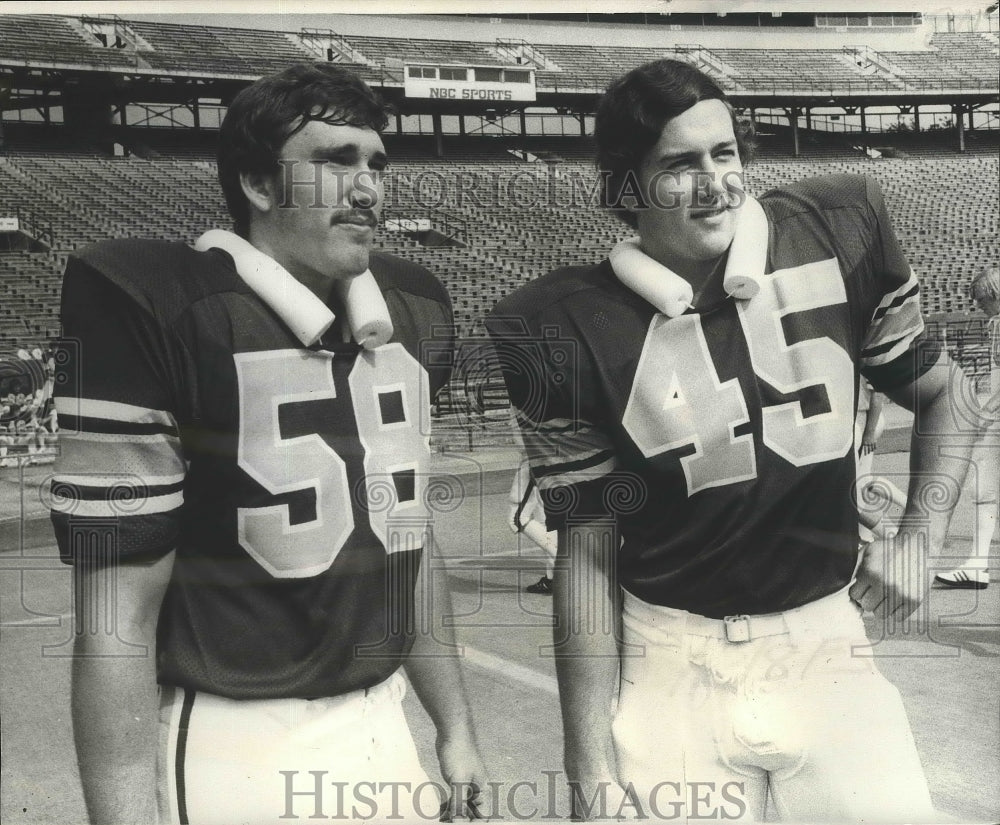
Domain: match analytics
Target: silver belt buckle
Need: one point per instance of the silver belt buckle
(737, 628)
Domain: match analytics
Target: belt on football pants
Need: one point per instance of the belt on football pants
(818, 617)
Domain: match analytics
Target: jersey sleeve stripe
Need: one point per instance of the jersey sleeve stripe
(873, 353)
(113, 411)
(125, 438)
(555, 426)
(893, 333)
(543, 464)
(115, 507)
(577, 475)
(910, 290)
(906, 368)
(99, 425)
(542, 471)
(107, 481)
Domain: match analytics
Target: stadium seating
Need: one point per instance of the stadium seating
(785, 69)
(49, 39)
(519, 218)
(214, 49)
(971, 54)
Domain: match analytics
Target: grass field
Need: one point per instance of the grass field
(946, 666)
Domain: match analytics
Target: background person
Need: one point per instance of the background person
(974, 573)
(526, 516)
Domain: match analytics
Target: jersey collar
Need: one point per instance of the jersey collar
(304, 314)
(301, 310)
(670, 293)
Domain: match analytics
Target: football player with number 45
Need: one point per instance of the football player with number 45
(242, 489)
(688, 406)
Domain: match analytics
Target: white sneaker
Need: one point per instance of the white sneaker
(967, 578)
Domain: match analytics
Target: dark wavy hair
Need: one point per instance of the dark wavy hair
(632, 113)
(268, 112)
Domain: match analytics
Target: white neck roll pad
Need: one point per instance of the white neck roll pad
(306, 314)
(366, 310)
(650, 279)
(670, 293)
(744, 268)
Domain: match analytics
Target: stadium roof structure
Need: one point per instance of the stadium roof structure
(90, 65)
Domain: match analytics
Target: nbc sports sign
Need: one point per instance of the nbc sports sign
(470, 83)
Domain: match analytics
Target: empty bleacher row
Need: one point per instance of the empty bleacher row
(217, 49)
(975, 56)
(520, 219)
(43, 39)
(29, 298)
(966, 59)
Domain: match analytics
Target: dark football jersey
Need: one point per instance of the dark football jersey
(719, 441)
(290, 479)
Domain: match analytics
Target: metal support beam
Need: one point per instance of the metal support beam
(793, 120)
(438, 135)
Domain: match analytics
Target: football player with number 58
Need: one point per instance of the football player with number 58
(242, 490)
(687, 406)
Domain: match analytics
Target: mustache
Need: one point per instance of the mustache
(726, 200)
(359, 217)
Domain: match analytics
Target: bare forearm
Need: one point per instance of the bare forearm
(586, 669)
(434, 666)
(115, 704)
(436, 674)
(587, 655)
(115, 725)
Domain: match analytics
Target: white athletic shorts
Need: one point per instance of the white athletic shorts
(986, 458)
(343, 759)
(707, 729)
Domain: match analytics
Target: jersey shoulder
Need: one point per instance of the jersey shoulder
(417, 301)
(161, 277)
(822, 194)
(421, 313)
(396, 274)
(561, 295)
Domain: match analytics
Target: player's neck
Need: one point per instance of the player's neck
(319, 284)
(704, 276)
